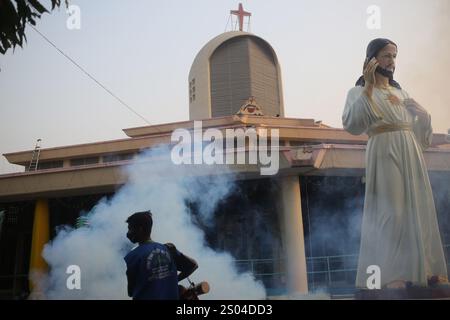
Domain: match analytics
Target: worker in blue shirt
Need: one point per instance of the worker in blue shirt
(152, 269)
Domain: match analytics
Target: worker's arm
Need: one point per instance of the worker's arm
(186, 265)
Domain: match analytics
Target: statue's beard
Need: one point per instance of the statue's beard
(384, 72)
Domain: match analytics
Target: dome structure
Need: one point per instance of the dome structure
(230, 69)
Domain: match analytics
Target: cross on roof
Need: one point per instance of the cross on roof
(241, 14)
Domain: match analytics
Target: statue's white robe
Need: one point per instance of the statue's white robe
(400, 231)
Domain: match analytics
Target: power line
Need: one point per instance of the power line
(89, 75)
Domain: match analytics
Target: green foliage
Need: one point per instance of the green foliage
(14, 16)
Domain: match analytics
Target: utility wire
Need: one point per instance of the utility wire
(89, 75)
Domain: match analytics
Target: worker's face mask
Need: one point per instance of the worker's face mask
(131, 235)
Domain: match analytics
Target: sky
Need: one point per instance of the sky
(142, 51)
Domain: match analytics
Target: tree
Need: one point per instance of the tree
(14, 16)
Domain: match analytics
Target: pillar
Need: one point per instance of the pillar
(40, 237)
(291, 223)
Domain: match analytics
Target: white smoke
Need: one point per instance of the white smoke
(154, 184)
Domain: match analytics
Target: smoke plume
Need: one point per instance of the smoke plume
(154, 184)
